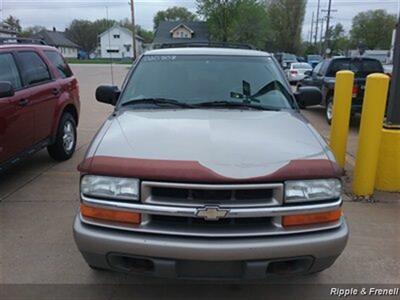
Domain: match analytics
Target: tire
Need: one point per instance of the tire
(329, 110)
(65, 142)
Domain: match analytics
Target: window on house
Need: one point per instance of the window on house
(116, 36)
(112, 51)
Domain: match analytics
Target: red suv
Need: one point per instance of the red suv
(39, 103)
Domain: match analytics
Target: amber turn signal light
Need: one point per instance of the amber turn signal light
(110, 214)
(308, 219)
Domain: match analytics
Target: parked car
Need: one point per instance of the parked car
(39, 103)
(296, 72)
(323, 77)
(285, 59)
(314, 59)
(206, 168)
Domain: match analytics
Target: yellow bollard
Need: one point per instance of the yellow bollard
(388, 174)
(370, 134)
(341, 115)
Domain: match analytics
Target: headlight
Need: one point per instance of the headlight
(312, 190)
(110, 187)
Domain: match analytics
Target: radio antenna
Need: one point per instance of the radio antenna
(109, 49)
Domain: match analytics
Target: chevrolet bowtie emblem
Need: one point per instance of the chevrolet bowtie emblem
(212, 213)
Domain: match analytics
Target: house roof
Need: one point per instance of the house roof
(124, 29)
(56, 38)
(163, 34)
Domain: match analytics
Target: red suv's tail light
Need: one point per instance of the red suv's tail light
(355, 91)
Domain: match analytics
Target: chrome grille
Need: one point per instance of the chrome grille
(199, 195)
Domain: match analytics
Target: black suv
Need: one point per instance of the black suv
(323, 77)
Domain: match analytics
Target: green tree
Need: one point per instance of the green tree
(373, 29)
(220, 16)
(173, 14)
(85, 33)
(339, 42)
(286, 19)
(13, 23)
(31, 31)
(240, 21)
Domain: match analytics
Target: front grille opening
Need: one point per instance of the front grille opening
(159, 192)
(130, 264)
(254, 194)
(290, 266)
(171, 220)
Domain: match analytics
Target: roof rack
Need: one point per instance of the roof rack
(205, 44)
(18, 40)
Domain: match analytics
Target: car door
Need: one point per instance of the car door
(66, 80)
(16, 116)
(318, 75)
(42, 91)
(312, 80)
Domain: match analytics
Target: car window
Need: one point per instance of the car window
(361, 67)
(324, 67)
(9, 71)
(58, 61)
(317, 69)
(33, 68)
(197, 78)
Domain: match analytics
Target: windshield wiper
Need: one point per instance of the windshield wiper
(231, 104)
(158, 102)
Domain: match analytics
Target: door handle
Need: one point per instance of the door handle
(23, 102)
(55, 91)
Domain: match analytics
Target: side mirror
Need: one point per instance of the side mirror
(308, 96)
(6, 89)
(308, 73)
(108, 94)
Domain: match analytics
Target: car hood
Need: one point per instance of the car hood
(230, 144)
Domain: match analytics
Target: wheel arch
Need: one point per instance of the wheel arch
(68, 108)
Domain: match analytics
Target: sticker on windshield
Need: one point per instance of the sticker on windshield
(151, 58)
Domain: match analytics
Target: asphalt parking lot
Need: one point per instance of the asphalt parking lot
(39, 200)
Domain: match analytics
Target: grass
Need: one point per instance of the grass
(99, 61)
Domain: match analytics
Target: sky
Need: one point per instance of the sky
(59, 13)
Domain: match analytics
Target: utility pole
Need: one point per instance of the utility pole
(327, 32)
(393, 110)
(133, 28)
(316, 26)
(321, 35)
(1, 11)
(312, 28)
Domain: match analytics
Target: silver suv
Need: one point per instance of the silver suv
(206, 169)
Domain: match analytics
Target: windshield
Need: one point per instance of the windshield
(361, 67)
(195, 79)
(314, 57)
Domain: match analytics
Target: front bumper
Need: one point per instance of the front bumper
(109, 248)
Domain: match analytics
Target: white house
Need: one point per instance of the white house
(116, 42)
(6, 32)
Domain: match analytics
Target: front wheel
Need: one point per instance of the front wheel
(329, 110)
(65, 143)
